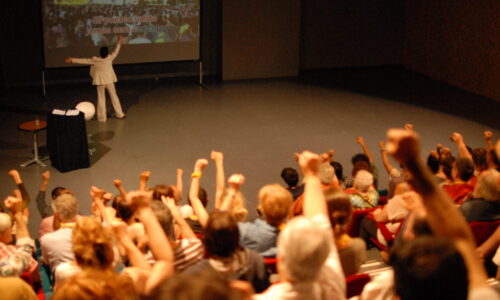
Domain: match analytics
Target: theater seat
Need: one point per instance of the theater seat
(483, 230)
(355, 222)
(355, 284)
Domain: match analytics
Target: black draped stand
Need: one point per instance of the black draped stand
(67, 142)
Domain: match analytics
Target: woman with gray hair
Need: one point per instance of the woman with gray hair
(363, 195)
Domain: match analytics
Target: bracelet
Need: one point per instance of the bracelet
(196, 174)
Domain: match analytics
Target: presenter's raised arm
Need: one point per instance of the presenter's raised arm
(117, 49)
(80, 61)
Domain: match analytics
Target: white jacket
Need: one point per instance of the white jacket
(101, 69)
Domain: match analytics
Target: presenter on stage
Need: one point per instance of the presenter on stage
(104, 78)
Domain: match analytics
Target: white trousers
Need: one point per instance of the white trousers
(101, 101)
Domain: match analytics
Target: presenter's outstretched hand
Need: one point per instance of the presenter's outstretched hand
(69, 60)
(120, 39)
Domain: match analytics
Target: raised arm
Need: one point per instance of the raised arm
(235, 182)
(14, 174)
(220, 179)
(314, 199)
(133, 253)
(385, 159)
(443, 217)
(140, 202)
(487, 138)
(458, 139)
(117, 48)
(361, 141)
(44, 209)
(143, 180)
(119, 186)
(178, 180)
(187, 231)
(195, 201)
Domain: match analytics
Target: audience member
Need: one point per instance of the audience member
(57, 246)
(352, 251)
(14, 260)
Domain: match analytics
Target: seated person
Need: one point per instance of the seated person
(485, 202)
(188, 249)
(221, 238)
(460, 189)
(261, 235)
(47, 224)
(385, 222)
(15, 260)
(352, 251)
(363, 195)
(308, 261)
(291, 177)
(57, 246)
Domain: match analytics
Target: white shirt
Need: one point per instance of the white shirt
(57, 247)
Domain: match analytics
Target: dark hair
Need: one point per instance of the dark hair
(360, 157)
(429, 268)
(104, 51)
(479, 156)
(339, 209)
(447, 163)
(202, 195)
(123, 211)
(221, 236)
(290, 176)
(166, 191)
(57, 191)
(433, 163)
(165, 218)
(465, 168)
(339, 170)
(360, 165)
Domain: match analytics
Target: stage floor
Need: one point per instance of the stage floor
(258, 125)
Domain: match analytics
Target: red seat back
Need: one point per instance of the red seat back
(483, 230)
(355, 284)
(355, 222)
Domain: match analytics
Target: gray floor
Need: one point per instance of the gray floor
(257, 124)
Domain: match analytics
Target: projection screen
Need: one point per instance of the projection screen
(153, 30)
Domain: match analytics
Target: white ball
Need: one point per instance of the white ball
(87, 108)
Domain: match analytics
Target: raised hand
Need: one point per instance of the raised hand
(68, 60)
(179, 172)
(408, 126)
(14, 203)
(46, 176)
(118, 184)
(14, 174)
(145, 175)
(456, 137)
(139, 199)
(96, 193)
(236, 181)
(360, 140)
(309, 163)
(216, 156)
(403, 145)
(200, 164)
(488, 135)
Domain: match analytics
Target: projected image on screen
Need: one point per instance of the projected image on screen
(153, 30)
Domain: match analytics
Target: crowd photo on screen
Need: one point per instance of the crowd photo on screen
(87, 23)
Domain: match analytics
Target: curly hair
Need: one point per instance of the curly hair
(92, 244)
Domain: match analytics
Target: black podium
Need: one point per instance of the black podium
(67, 142)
